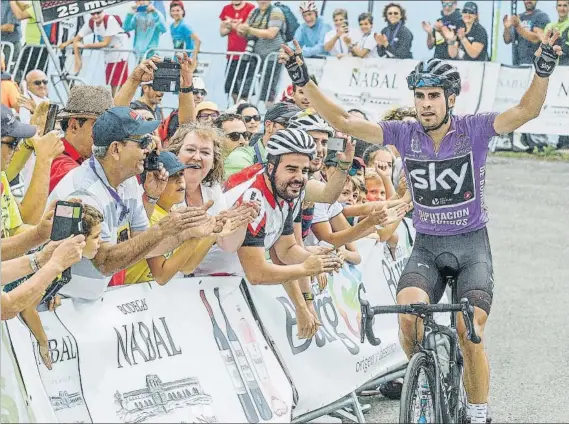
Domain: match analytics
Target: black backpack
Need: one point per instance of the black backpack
(291, 22)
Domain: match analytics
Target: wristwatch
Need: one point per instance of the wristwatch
(187, 89)
(308, 296)
(150, 199)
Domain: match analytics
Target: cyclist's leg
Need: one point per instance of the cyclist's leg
(475, 282)
(420, 282)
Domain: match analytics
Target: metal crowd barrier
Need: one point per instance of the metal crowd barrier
(9, 55)
(32, 56)
(275, 68)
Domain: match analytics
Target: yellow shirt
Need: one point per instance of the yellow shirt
(11, 218)
(140, 272)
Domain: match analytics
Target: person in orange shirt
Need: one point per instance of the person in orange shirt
(9, 89)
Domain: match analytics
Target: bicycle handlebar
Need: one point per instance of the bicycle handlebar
(420, 309)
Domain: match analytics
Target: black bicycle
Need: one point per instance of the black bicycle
(433, 391)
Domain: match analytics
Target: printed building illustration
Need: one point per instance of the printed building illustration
(159, 398)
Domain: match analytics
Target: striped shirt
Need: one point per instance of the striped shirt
(89, 183)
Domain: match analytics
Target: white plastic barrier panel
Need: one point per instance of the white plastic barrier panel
(184, 352)
(334, 363)
(12, 394)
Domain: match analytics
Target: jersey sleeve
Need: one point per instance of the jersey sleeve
(223, 13)
(481, 125)
(254, 239)
(395, 133)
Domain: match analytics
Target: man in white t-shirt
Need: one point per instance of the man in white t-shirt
(335, 40)
(110, 35)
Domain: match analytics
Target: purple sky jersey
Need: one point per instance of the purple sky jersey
(448, 186)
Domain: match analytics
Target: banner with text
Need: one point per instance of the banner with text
(334, 363)
(185, 352)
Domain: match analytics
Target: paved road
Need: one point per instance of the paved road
(527, 333)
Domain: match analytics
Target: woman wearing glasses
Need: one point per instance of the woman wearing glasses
(395, 39)
(251, 116)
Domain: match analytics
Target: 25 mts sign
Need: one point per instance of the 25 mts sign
(57, 10)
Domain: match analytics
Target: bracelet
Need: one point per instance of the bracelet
(150, 199)
(344, 165)
(26, 145)
(34, 265)
(308, 296)
(187, 89)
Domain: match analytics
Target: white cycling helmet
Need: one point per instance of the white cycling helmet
(291, 141)
(310, 121)
(308, 6)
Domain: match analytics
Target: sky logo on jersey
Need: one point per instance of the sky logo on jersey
(442, 184)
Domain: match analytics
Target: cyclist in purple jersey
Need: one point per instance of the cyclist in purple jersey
(445, 163)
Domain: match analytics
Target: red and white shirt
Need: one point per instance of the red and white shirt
(275, 218)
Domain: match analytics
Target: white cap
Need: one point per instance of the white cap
(198, 84)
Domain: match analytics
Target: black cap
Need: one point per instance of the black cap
(470, 7)
(119, 123)
(10, 126)
(283, 110)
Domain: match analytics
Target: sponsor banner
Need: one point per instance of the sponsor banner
(512, 84)
(58, 10)
(315, 67)
(554, 116)
(12, 393)
(377, 85)
(337, 361)
(184, 352)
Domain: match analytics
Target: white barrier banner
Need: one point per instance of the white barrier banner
(377, 85)
(144, 353)
(334, 363)
(554, 116)
(12, 394)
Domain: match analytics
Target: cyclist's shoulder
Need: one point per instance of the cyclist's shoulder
(480, 124)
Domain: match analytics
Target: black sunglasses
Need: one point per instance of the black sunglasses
(12, 145)
(252, 117)
(281, 121)
(40, 82)
(144, 141)
(199, 91)
(236, 135)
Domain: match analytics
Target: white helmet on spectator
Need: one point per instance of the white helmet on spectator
(308, 6)
(199, 84)
(309, 120)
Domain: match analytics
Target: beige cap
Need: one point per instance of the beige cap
(207, 104)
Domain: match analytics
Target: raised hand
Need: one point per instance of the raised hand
(156, 182)
(144, 72)
(461, 33)
(427, 27)
(508, 22)
(187, 67)
(294, 64)
(349, 153)
(546, 56)
(383, 169)
(48, 146)
(27, 103)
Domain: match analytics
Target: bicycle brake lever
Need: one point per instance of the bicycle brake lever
(367, 325)
(364, 305)
(468, 314)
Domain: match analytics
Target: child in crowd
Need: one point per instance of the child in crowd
(182, 35)
(91, 225)
(164, 267)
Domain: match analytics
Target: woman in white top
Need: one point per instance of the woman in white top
(335, 41)
(199, 145)
(363, 45)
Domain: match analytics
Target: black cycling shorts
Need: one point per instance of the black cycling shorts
(475, 277)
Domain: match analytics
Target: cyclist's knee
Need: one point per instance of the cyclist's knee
(409, 323)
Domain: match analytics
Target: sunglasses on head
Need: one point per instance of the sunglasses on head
(448, 4)
(252, 117)
(40, 82)
(236, 135)
(12, 145)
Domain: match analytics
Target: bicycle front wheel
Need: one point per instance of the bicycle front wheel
(419, 396)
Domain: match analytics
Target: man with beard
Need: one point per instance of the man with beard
(279, 187)
(450, 214)
(150, 100)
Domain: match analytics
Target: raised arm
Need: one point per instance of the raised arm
(337, 117)
(532, 101)
(144, 72)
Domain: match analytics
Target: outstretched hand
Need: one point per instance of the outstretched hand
(546, 56)
(294, 64)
